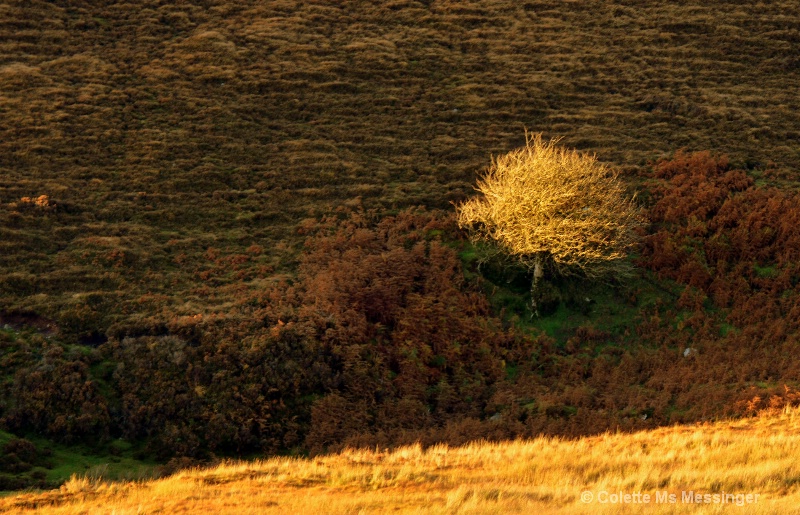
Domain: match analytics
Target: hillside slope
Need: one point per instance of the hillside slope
(179, 145)
(749, 465)
(205, 248)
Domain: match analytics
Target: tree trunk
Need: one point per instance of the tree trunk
(538, 273)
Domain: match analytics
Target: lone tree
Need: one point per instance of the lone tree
(550, 207)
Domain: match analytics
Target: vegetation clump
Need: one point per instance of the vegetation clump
(547, 205)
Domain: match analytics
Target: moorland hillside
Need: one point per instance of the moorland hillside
(210, 241)
(175, 137)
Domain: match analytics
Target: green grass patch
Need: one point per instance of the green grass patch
(725, 329)
(56, 463)
(573, 302)
(83, 461)
(765, 272)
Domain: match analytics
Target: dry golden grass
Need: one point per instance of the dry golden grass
(752, 456)
(170, 137)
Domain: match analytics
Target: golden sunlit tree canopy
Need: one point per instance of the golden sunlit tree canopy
(545, 204)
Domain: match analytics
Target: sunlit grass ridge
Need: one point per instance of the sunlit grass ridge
(752, 456)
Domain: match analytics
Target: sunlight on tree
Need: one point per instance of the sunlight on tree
(551, 207)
